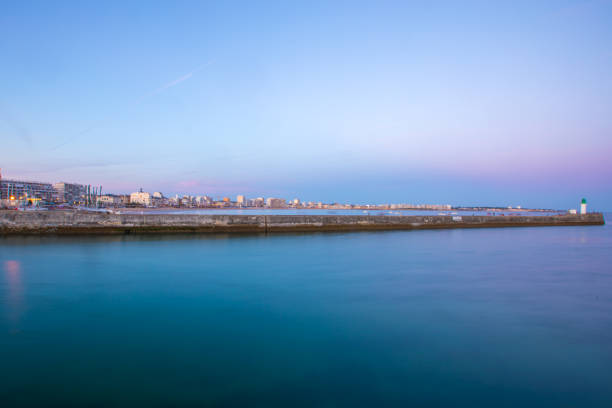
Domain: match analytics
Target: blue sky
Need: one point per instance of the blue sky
(450, 102)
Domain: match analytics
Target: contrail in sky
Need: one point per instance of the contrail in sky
(136, 102)
(173, 83)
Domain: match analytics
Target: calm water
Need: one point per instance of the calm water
(474, 318)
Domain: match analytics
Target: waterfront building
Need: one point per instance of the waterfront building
(583, 206)
(275, 203)
(141, 198)
(158, 199)
(203, 201)
(20, 190)
(186, 201)
(109, 200)
(241, 201)
(70, 193)
(125, 199)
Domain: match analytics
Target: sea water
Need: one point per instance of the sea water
(503, 317)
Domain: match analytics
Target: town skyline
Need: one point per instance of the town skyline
(16, 193)
(415, 201)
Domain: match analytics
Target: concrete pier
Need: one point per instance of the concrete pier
(79, 222)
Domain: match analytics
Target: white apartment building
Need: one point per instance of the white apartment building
(141, 198)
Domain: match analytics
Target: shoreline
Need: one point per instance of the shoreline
(125, 210)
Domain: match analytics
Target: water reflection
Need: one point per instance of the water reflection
(14, 289)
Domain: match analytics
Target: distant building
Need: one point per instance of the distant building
(110, 200)
(187, 201)
(241, 201)
(141, 198)
(275, 202)
(203, 201)
(583, 206)
(70, 193)
(158, 195)
(21, 190)
(125, 199)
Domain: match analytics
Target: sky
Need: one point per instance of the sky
(466, 103)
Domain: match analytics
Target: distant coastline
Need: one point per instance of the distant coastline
(463, 209)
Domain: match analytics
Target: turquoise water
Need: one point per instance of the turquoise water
(476, 318)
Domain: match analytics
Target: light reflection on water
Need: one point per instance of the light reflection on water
(14, 290)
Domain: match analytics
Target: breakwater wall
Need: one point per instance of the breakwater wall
(80, 222)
